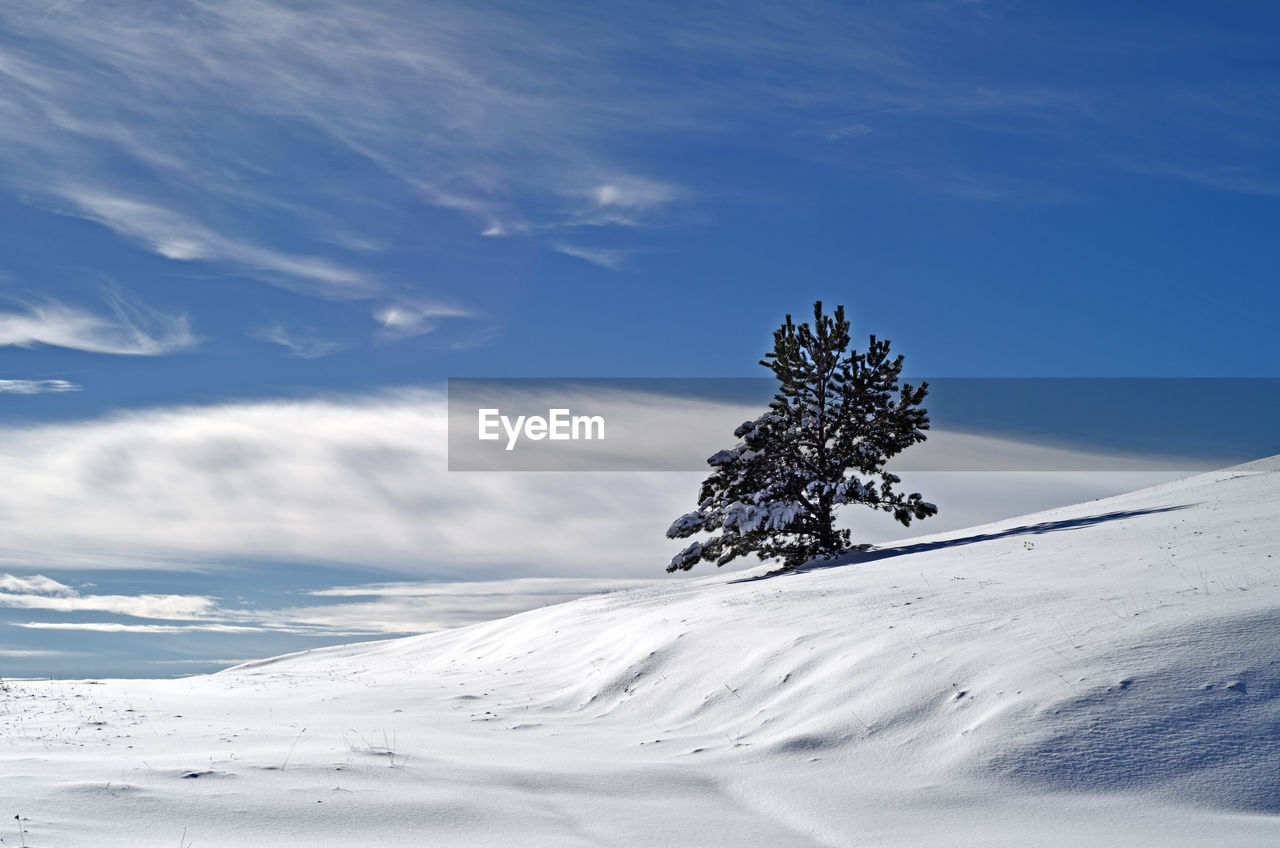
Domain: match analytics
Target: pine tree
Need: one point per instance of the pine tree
(824, 442)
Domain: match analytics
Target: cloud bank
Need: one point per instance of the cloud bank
(363, 481)
(356, 480)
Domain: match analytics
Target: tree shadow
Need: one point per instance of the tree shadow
(872, 553)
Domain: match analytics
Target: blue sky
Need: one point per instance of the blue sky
(237, 209)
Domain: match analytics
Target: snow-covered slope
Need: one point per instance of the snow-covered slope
(1104, 673)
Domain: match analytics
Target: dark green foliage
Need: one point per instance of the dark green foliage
(838, 417)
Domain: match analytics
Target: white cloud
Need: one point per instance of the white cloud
(36, 585)
(851, 131)
(408, 319)
(633, 195)
(36, 387)
(37, 592)
(138, 606)
(301, 345)
(175, 236)
(22, 654)
(605, 258)
(117, 627)
(132, 329)
(40, 592)
(624, 201)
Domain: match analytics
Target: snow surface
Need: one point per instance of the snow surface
(1107, 673)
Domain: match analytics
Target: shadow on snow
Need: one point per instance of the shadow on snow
(871, 554)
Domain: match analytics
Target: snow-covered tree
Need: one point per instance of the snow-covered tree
(837, 418)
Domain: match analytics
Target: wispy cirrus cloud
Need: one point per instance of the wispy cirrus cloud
(329, 148)
(475, 112)
(37, 387)
(624, 201)
(610, 258)
(20, 653)
(119, 627)
(406, 319)
(304, 345)
(175, 236)
(131, 329)
(1231, 179)
(486, 113)
(495, 113)
(848, 131)
(633, 194)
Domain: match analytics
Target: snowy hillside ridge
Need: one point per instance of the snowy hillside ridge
(1106, 672)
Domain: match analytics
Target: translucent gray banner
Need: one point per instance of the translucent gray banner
(977, 424)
